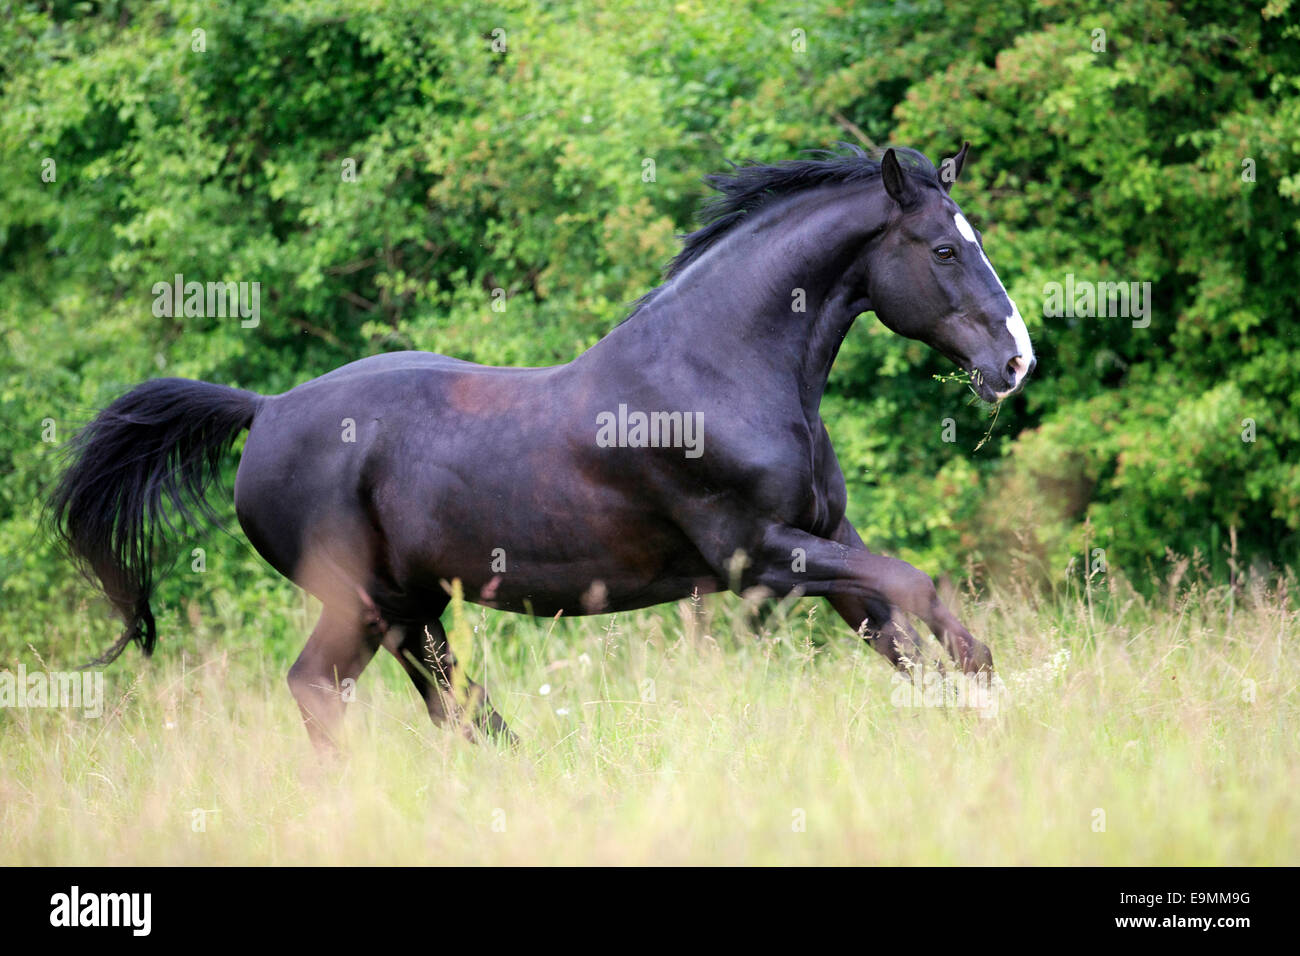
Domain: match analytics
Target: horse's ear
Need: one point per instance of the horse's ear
(951, 167)
(899, 187)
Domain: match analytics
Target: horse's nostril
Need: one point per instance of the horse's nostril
(1013, 369)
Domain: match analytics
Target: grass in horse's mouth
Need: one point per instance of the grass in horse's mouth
(970, 379)
(993, 420)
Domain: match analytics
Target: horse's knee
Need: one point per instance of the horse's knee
(914, 590)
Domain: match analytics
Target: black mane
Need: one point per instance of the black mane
(748, 187)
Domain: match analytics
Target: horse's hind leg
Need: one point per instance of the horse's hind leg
(428, 660)
(340, 647)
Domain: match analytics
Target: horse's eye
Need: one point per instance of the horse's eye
(945, 252)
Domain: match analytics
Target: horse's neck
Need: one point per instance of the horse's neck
(749, 309)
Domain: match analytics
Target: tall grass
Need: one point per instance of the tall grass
(1132, 732)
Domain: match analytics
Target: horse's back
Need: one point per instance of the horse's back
(388, 364)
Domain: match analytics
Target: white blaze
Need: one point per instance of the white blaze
(1015, 324)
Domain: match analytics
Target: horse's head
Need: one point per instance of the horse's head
(930, 281)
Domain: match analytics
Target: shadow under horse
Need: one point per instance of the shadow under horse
(631, 476)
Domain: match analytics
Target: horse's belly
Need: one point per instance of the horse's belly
(546, 600)
(589, 566)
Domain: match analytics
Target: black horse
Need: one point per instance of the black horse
(684, 453)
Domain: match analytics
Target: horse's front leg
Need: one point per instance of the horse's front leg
(885, 629)
(863, 586)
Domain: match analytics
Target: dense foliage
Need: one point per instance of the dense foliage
(553, 151)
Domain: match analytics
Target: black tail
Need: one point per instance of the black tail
(159, 443)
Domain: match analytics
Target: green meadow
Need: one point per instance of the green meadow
(1125, 731)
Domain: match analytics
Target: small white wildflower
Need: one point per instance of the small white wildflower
(544, 689)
